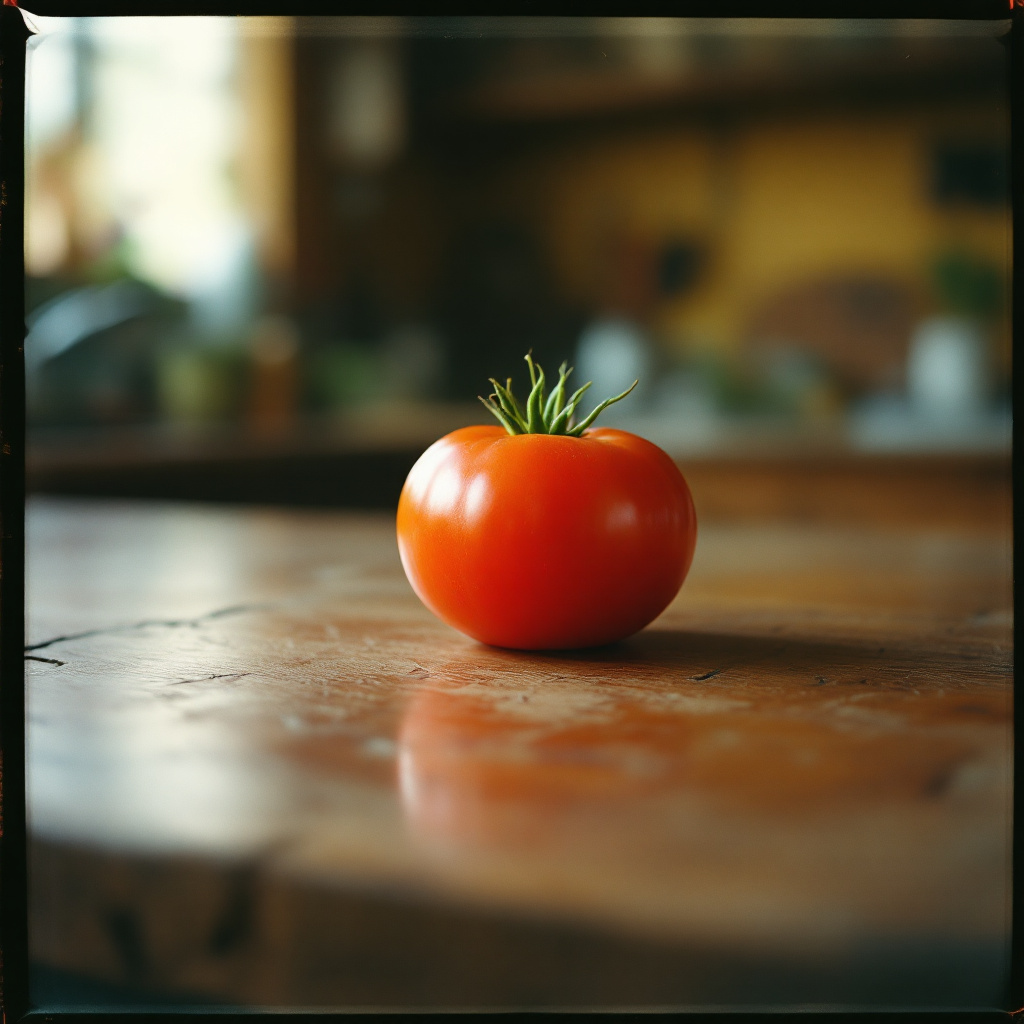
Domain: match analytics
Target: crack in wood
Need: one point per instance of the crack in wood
(707, 675)
(203, 679)
(47, 661)
(237, 609)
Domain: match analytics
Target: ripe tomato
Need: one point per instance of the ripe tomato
(545, 540)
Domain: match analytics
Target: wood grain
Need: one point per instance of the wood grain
(262, 772)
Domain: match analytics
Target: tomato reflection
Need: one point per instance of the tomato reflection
(520, 770)
(486, 773)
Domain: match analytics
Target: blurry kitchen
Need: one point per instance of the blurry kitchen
(271, 260)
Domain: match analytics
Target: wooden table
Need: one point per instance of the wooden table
(262, 773)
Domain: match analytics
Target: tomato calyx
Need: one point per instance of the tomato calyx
(550, 414)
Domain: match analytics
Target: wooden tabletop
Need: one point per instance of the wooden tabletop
(261, 773)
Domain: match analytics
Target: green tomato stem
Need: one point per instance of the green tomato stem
(544, 415)
(577, 430)
(556, 400)
(507, 404)
(534, 404)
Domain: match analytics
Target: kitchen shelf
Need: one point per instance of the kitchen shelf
(917, 69)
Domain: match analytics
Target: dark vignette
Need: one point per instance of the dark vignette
(13, 850)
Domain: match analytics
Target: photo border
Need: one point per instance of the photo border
(14, 35)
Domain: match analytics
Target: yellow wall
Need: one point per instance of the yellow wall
(779, 201)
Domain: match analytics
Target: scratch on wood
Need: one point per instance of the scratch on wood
(202, 679)
(707, 675)
(168, 623)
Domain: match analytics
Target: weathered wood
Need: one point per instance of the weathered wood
(262, 772)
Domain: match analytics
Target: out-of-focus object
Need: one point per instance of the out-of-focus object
(366, 109)
(73, 316)
(675, 63)
(798, 383)
(948, 365)
(496, 300)
(89, 353)
(684, 391)
(267, 143)
(970, 173)
(341, 374)
(273, 374)
(630, 275)
(198, 384)
(412, 360)
(946, 368)
(133, 184)
(680, 263)
(225, 296)
(162, 117)
(612, 353)
(967, 285)
(858, 326)
(890, 423)
(951, 398)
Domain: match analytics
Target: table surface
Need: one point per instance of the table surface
(261, 773)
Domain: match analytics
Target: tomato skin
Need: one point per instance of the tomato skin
(545, 541)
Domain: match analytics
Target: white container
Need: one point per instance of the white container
(612, 354)
(946, 368)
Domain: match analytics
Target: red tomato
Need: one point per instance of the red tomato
(546, 541)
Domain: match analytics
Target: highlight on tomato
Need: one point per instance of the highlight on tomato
(542, 533)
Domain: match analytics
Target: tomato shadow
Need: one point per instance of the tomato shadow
(707, 657)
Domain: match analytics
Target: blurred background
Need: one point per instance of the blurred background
(273, 259)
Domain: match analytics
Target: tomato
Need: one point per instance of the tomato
(546, 540)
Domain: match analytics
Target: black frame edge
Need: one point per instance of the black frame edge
(14, 1001)
(887, 9)
(13, 847)
(1015, 993)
